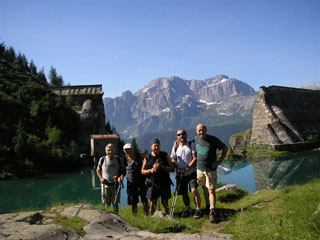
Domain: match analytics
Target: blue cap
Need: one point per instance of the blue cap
(155, 140)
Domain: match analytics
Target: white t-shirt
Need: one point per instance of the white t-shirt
(109, 168)
(183, 156)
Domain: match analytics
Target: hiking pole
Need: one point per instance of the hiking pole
(118, 191)
(173, 205)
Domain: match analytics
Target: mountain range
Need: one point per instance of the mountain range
(167, 104)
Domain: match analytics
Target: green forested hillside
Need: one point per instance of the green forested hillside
(37, 127)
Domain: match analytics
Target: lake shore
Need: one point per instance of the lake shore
(267, 214)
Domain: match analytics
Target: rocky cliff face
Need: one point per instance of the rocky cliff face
(170, 103)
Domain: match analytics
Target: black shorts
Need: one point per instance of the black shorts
(134, 190)
(185, 181)
(163, 191)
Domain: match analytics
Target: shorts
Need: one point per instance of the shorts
(135, 190)
(163, 191)
(189, 180)
(207, 178)
(108, 194)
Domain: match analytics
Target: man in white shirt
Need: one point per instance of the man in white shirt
(184, 158)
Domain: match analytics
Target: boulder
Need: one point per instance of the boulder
(101, 225)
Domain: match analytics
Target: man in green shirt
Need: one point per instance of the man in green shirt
(207, 164)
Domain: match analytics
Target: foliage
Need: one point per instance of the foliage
(55, 80)
(312, 138)
(37, 127)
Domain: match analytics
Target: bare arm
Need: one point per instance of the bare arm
(100, 176)
(223, 154)
(144, 170)
(194, 160)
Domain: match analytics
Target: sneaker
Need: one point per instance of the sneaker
(211, 215)
(197, 215)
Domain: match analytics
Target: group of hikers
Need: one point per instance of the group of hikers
(148, 175)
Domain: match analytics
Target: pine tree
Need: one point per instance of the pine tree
(55, 80)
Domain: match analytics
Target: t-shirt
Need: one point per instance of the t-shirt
(183, 154)
(109, 167)
(133, 169)
(207, 151)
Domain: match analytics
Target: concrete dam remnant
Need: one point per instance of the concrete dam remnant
(87, 101)
(284, 115)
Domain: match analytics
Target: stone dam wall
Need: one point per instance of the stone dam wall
(87, 101)
(285, 115)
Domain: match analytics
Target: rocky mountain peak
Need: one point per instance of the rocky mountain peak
(172, 97)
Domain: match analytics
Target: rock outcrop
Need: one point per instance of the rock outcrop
(285, 115)
(98, 224)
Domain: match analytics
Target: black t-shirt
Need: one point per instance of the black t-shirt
(207, 151)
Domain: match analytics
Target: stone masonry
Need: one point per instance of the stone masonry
(87, 101)
(285, 115)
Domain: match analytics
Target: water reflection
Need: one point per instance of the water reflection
(277, 173)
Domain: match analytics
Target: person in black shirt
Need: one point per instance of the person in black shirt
(156, 166)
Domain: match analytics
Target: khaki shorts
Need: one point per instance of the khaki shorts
(207, 178)
(108, 194)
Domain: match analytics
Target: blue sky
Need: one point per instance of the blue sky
(124, 44)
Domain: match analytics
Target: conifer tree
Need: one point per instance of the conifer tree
(55, 80)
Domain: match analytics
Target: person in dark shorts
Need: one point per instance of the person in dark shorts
(184, 158)
(135, 180)
(156, 166)
(207, 164)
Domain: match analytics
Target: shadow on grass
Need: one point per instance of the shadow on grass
(222, 214)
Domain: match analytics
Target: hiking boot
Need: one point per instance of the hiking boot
(212, 215)
(197, 215)
(187, 213)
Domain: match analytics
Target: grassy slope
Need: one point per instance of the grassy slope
(269, 214)
(278, 214)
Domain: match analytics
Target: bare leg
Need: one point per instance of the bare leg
(164, 204)
(197, 198)
(152, 208)
(206, 194)
(212, 197)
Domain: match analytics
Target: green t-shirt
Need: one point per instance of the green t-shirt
(207, 151)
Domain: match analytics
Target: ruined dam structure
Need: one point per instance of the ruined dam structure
(285, 116)
(87, 101)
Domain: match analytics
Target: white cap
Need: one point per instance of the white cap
(127, 145)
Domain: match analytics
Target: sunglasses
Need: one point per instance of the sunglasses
(180, 134)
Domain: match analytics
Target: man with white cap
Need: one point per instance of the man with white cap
(135, 180)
